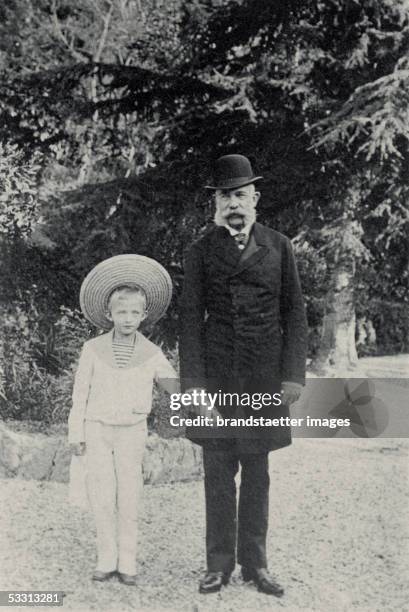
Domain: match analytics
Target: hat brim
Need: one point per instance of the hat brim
(234, 183)
(133, 270)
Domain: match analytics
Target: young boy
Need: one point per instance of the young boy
(112, 397)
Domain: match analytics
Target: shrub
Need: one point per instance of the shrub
(36, 364)
(312, 268)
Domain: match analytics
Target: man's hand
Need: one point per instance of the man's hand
(290, 393)
(202, 407)
(199, 403)
(78, 448)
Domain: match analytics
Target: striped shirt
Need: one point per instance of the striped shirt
(122, 352)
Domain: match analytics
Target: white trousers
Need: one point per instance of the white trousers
(115, 486)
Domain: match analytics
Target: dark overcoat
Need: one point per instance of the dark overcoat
(242, 328)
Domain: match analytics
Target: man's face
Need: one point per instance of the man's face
(236, 207)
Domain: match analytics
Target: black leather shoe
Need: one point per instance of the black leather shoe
(213, 582)
(264, 581)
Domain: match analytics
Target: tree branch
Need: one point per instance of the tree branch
(78, 55)
(102, 40)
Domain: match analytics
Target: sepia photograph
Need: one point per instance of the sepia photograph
(204, 305)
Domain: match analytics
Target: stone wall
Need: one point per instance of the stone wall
(47, 457)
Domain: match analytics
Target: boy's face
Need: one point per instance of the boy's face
(127, 313)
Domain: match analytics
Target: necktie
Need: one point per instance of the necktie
(241, 240)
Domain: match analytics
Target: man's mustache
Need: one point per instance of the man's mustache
(235, 214)
(221, 218)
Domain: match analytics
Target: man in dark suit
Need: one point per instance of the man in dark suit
(243, 331)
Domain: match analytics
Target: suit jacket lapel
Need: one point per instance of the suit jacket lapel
(251, 248)
(225, 253)
(255, 250)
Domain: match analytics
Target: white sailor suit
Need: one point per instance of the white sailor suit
(109, 410)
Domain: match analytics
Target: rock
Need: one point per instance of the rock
(9, 452)
(37, 457)
(171, 460)
(26, 455)
(41, 457)
(61, 466)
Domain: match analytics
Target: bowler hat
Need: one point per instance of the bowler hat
(232, 171)
(131, 270)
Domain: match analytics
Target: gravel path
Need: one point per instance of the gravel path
(338, 537)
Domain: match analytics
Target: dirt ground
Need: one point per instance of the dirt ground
(338, 537)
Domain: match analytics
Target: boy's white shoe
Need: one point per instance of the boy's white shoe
(127, 579)
(102, 576)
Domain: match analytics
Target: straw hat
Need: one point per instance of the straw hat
(133, 270)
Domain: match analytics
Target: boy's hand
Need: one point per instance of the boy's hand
(78, 448)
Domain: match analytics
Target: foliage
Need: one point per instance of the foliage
(313, 272)
(36, 365)
(25, 387)
(158, 419)
(18, 182)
